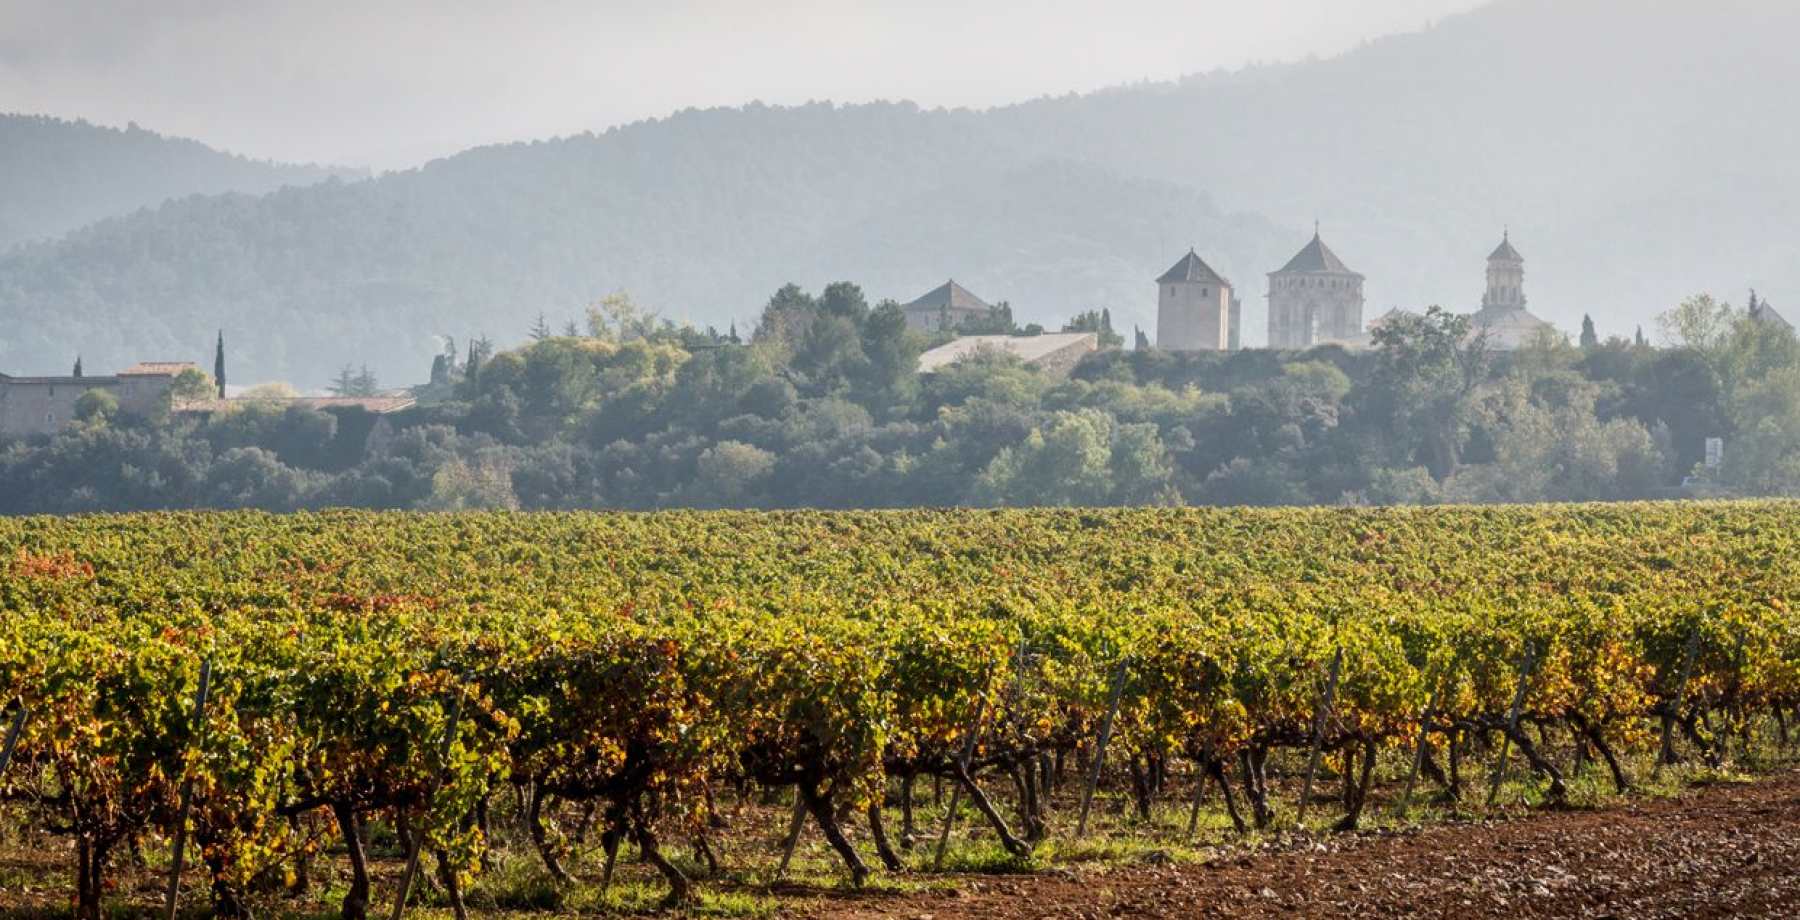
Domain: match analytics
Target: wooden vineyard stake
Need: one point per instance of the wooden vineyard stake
(418, 835)
(1320, 715)
(12, 736)
(1106, 727)
(965, 758)
(1667, 752)
(792, 840)
(1512, 722)
(1418, 761)
(187, 793)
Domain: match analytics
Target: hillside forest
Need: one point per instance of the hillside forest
(822, 405)
(1414, 161)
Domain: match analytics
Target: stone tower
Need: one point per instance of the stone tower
(1314, 298)
(1193, 308)
(1505, 279)
(1503, 317)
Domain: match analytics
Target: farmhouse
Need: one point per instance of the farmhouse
(40, 405)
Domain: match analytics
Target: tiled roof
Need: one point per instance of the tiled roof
(379, 405)
(59, 381)
(948, 295)
(1316, 258)
(158, 368)
(1505, 251)
(1193, 268)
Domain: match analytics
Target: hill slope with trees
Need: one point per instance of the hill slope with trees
(57, 175)
(1635, 150)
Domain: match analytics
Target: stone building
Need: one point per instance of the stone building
(1195, 309)
(40, 405)
(945, 307)
(1314, 298)
(1503, 314)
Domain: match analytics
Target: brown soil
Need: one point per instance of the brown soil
(1719, 851)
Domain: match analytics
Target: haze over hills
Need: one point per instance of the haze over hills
(1639, 152)
(57, 175)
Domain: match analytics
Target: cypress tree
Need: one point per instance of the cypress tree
(77, 366)
(219, 364)
(472, 366)
(1589, 337)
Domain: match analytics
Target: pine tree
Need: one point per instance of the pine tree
(219, 364)
(734, 336)
(570, 330)
(1142, 341)
(366, 384)
(540, 330)
(1641, 342)
(345, 383)
(77, 373)
(1106, 321)
(1589, 337)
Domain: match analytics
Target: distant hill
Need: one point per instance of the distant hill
(1638, 151)
(58, 175)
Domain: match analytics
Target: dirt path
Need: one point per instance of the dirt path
(1716, 852)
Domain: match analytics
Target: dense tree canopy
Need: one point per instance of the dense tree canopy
(823, 406)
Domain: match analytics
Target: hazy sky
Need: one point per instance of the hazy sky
(390, 83)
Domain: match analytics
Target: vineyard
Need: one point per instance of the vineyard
(256, 693)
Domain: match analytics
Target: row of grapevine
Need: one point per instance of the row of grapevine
(366, 664)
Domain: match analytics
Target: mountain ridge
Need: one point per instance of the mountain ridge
(1560, 120)
(58, 175)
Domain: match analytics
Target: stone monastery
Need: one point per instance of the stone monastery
(1315, 299)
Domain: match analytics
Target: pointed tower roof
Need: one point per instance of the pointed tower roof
(948, 295)
(1193, 269)
(1316, 257)
(1505, 252)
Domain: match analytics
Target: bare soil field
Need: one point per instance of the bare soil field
(1728, 850)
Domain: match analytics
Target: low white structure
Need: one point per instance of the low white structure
(1056, 352)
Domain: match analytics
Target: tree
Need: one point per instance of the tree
(1590, 339)
(485, 485)
(998, 320)
(1640, 341)
(219, 364)
(842, 298)
(96, 406)
(540, 330)
(618, 318)
(1099, 322)
(355, 383)
(77, 372)
(345, 383)
(1699, 322)
(731, 473)
(479, 349)
(1427, 369)
(191, 385)
(1140, 341)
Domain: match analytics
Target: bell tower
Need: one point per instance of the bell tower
(1505, 278)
